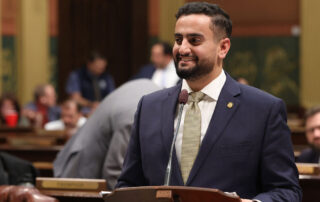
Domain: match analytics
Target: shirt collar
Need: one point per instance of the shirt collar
(213, 89)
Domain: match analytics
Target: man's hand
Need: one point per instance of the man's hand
(246, 200)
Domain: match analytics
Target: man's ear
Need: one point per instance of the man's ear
(224, 47)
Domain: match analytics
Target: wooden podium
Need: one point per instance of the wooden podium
(169, 194)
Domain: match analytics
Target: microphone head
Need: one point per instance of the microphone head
(183, 96)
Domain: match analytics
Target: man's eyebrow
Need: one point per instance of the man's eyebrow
(194, 35)
(189, 35)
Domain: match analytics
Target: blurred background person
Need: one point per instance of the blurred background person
(71, 118)
(161, 70)
(91, 83)
(16, 171)
(10, 110)
(43, 109)
(105, 136)
(312, 127)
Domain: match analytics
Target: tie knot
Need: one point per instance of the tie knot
(196, 96)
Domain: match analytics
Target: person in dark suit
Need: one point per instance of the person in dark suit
(312, 125)
(233, 137)
(91, 83)
(16, 171)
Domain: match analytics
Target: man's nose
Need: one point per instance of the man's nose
(317, 132)
(184, 48)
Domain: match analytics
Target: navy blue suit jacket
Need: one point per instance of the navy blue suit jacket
(247, 148)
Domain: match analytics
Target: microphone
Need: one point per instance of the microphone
(183, 98)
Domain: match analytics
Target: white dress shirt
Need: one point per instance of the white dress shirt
(59, 125)
(206, 105)
(166, 77)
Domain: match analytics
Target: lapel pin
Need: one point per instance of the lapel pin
(230, 105)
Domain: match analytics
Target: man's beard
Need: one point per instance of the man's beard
(193, 73)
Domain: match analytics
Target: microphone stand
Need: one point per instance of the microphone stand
(169, 166)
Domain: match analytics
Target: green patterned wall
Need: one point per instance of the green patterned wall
(9, 65)
(268, 63)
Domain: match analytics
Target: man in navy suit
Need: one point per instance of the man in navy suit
(245, 141)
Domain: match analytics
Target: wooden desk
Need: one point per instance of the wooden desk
(32, 153)
(37, 146)
(35, 137)
(45, 169)
(4, 129)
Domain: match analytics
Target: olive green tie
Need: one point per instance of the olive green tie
(191, 134)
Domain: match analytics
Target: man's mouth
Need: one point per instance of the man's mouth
(186, 58)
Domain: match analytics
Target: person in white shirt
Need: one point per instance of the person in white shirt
(162, 70)
(165, 74)
(71, 118)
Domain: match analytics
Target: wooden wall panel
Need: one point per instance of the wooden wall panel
(8, 17)
(116, 28)
(53, 17)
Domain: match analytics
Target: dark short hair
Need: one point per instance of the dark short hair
(312, 111)
(167, 48)
(221, 23)
(94, 55)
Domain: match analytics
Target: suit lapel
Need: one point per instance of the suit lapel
(221, 117)
(168, 111)
(169, 106)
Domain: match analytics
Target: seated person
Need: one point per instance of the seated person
(43, 109)
(312, 126)
(71, 118)
(9, 106)
(162, 70)
(91, 83)
(16, 171)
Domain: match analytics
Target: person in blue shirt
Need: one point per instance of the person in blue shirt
(43, 108)
(91, 83)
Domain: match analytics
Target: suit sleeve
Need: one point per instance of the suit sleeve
(114, 159)
(279, 175)
(132, 172)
